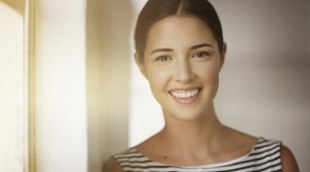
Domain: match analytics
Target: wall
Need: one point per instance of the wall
(264, 87)
(59, 65)
(108, 72)
(12, 91)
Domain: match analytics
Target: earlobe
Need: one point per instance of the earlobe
(140, 64)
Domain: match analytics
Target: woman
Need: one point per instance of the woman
(180, 51)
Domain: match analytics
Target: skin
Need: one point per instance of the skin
(182, 55)
(178, 61)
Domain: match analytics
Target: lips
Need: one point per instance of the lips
(185, 96)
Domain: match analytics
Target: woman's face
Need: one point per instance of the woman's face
(182, 64)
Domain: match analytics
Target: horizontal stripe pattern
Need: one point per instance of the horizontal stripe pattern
(264, 157)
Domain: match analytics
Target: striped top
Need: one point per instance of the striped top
(265, 156)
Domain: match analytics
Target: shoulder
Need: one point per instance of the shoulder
(289, 162)
(117, 161)
(111, 165)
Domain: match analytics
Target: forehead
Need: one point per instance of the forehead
(175, 31)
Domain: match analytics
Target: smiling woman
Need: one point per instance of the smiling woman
(180, 50)
(175, 74)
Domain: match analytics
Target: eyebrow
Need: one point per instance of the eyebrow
(191, 48)
(161, 50)
(200, 46)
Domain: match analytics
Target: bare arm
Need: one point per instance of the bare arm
(111, 166)
(289, 163)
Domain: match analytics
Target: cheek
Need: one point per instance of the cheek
(157, 78)
(157, 82)
(208, 73)
(213, 74)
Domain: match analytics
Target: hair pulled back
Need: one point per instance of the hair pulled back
(154, 10)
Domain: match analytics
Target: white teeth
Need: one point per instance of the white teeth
(184, 94)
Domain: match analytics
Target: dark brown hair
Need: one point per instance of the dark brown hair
(154, 10)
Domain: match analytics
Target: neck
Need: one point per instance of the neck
(199, 135)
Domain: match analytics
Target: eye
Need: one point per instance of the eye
(163, 58)
(201, 54)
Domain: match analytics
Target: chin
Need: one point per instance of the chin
(185, 114)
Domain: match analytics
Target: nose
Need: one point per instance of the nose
(184, 72)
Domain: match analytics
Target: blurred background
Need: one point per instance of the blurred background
(71, 94)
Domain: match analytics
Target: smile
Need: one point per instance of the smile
(185, 96)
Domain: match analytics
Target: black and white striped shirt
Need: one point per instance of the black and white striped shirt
(265, 156)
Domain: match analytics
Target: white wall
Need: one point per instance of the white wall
(60, 86)
(264, 87)
(12, 91)
(108, 77)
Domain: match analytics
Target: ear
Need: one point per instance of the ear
(140, 64)
(223, 54)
